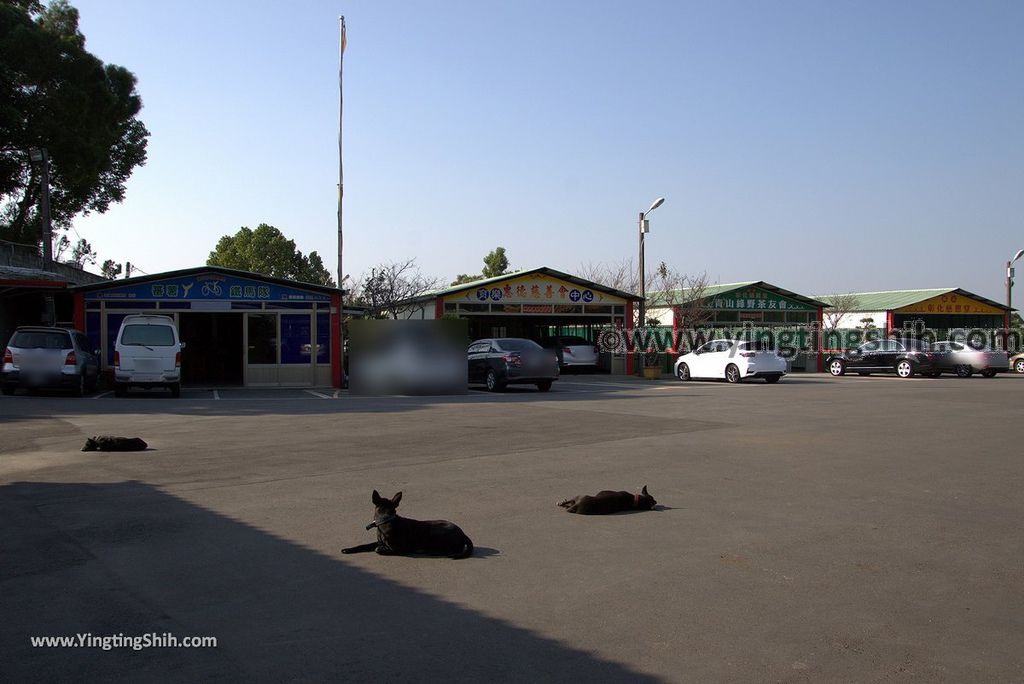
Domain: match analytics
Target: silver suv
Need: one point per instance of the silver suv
(49, 358)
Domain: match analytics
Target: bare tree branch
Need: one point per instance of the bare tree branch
(385, 287)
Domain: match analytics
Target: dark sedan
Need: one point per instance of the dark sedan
(902, 357)
(505, 361)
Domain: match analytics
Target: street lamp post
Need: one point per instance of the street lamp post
(39, 155)
(1009, 289)
(645, 228)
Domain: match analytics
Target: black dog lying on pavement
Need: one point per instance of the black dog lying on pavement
(606, 502)
(110, 443)
(398, 536)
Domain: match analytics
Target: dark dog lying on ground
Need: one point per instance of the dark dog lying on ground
(606, 502)
(110, 443)
(399, 536)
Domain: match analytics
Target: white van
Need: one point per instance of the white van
(147, 354)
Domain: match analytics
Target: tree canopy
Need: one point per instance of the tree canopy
(58, 96)
(266, 250)
(495, 264)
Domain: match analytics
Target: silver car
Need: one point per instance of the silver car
(49, 358)
(573, 351)
(965, 360)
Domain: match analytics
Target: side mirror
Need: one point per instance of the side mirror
(182, 345)
(97, 352)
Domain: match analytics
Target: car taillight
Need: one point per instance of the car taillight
(117, 359)
(8, 356)
(566, 350)
(70, 360)
(177, 360)
(747, 355)
(512, 359)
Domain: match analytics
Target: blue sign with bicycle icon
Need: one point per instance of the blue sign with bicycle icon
(210, 287)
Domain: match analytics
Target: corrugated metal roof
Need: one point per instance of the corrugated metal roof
(445, 291)
(29, 274)
(887, 300)
(721, 288)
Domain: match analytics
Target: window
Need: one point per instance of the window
(513, 344)
(148, 335)
(323, 337)
(296, 338)
(41, 339)
(262, 329)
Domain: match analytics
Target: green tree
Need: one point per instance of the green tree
(266, 250)
(110, 269)
(59, 96)
(495, 264)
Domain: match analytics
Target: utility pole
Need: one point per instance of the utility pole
(42, 157)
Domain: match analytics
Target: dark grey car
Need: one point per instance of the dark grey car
(49, 358)
(505, 361)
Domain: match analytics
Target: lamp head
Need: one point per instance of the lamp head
(1018, 255)
(657, 203)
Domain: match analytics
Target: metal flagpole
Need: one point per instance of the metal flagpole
(341, 172)
(340, 329)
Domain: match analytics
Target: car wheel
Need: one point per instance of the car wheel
(837, 367)
(492, 381)
(988, 373)
(120, 389)
(8, 390)
(732, 374)
(772, 379)
(905, 368)
(1019, 366)
(683, 372)
(964, 371)
(176, 390)
(544, 386)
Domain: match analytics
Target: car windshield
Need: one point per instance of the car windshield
(756, 346)
(40, 339)
(148, 335)
(516, 344)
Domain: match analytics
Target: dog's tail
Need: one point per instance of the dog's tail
(467, 551)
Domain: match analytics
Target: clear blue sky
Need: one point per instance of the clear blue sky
(821, 146)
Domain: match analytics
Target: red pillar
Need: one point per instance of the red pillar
(79, 314)
(336, 339)
(889, 317)
(821, 343)
(439, 308)
(629, 332)
(675, 330)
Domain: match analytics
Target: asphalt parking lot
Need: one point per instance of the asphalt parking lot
(820, 529)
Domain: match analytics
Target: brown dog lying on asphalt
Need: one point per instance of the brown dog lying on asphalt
(606, 502)
(111, 443)
(398, 536)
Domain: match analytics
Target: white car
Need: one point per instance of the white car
(147, 353)
(733, 360)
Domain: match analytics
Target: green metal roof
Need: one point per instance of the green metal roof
(721, 288)
(888, 300)
(452, 289)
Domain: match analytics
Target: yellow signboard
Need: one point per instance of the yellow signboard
(950, 303)
(533, 289)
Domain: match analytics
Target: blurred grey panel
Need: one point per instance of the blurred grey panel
(408, 357)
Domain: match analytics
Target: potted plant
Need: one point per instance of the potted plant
(652, 364)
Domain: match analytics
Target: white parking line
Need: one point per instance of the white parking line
(337, 393)
(216, 395)
(316, 394)
(102, 394)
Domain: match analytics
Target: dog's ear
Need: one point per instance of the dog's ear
(376, 498)
(395, 499)
(644, 491)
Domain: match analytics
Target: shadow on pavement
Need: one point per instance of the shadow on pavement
(129, 559)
